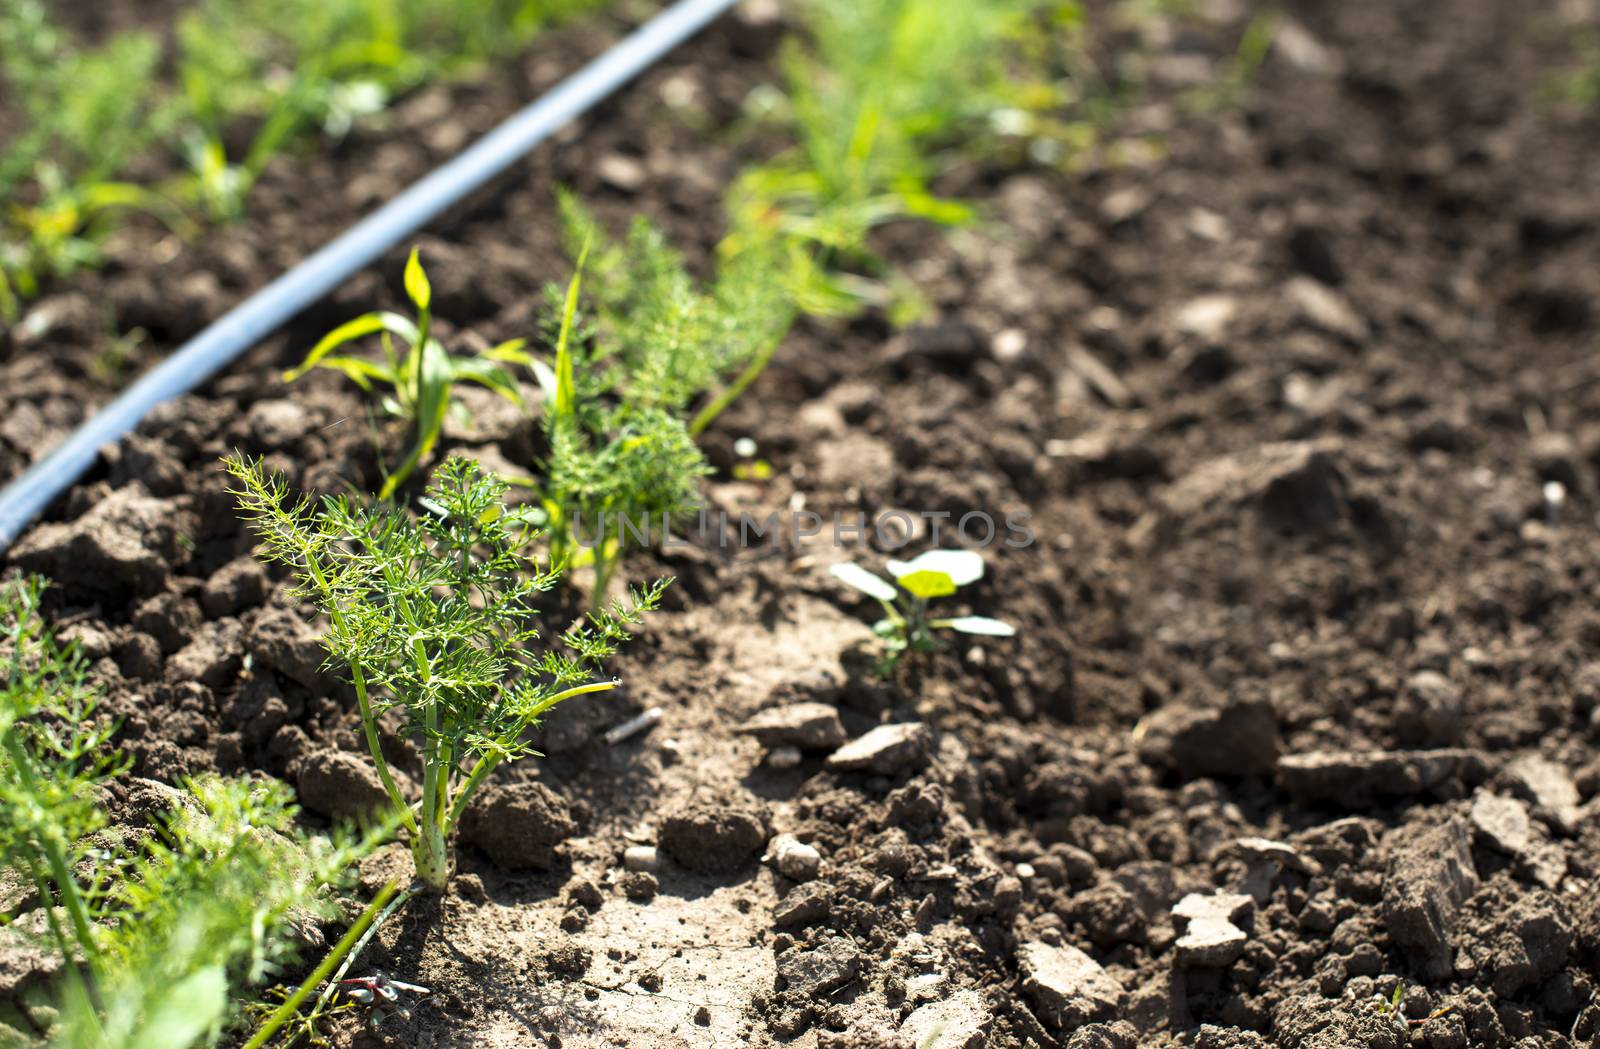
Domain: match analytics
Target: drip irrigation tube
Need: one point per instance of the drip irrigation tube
(264, 312)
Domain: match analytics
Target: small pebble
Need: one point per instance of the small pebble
(1025, 871)
(795, 859)
(641, 858)
(782, 758)
(1009, 344)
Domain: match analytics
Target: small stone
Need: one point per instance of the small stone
(783, 758)
(1548, 786)
(1068, 987)
(811, 973)
(1008, 345)
(1502, 822)
(1325, 309)
(886, 750)
(1210, 945)
(809, 726)
(1429, 710)
(803, 905)
(1265, 850)
(1208, 316)
(621, 172)
(795, 859)
(702, 1016)
(641, 858)
(958, 1022)
(1212, 936)
(1234, 908)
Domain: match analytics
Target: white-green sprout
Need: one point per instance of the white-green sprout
(906, 624)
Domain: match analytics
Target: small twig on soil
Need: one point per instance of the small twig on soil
(633, 726)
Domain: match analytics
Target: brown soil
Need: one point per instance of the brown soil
(1304, 632)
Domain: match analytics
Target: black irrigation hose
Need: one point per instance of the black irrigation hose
(260, 315)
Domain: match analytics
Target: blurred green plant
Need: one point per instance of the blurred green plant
(156, 931)
(872, 101)
(663, 341)
(84, 114)
(421, 378)
(252, 79)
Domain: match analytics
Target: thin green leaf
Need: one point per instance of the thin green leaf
(416, 280)
(432, 403)
(349, 331)
(565, 400)
(510, 351)
(359, 370)
(486, 373)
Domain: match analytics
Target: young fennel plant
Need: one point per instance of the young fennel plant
(434, 617)
(159, 931)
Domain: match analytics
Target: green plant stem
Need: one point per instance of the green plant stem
(77, 986)
(60, 869)
(430, 848)
(605, 563)
(348, 946)
(355, 952)
(752, 371)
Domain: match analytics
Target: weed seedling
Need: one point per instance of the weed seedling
(421, 378)
(434, 618)
(906, 625)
